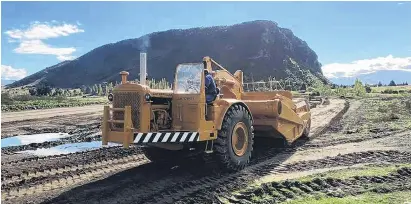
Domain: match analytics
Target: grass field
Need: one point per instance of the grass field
(400, 197)
(368, 170)
(382, 88)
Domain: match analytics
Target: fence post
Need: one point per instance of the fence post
(105, 131)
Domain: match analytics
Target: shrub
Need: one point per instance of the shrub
(359, 89)
(6, 99)
(368, 89)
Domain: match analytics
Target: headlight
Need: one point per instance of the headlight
(147, 97)
(110, 97)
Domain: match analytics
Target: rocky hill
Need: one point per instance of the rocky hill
(259, 48)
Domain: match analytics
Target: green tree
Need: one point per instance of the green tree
(368, 89)
(43, 89)
(99, 90)
(105, 90)
(32, 91)
(392, 83)
(58, 92)
(89, 90)
(110, 86)
(359, 89)
(6, 99)
(83, 88)
(318, 86)
(95, 89)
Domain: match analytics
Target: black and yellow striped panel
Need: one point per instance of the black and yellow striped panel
(166, 137)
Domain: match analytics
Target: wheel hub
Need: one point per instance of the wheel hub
(239, 139)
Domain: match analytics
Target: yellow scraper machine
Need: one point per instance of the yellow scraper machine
(166, 123)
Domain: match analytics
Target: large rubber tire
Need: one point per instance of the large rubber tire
(224, 152)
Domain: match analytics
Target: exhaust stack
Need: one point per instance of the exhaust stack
(143, 68)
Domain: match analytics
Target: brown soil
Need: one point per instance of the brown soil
(47, 113)
(67, 123)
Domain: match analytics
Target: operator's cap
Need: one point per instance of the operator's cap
(205, 71)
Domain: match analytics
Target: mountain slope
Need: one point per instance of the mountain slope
(259, 48)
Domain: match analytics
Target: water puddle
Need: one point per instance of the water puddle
(28, 139)
(68, 148)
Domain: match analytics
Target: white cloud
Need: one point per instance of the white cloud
(39, 30)
(63, 58)
(38, 47)
(10, 73)
(366, 66)
(31, 39)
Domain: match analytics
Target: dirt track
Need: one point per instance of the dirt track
(113, 175)
(47, 113)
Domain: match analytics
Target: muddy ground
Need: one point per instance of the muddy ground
(344, 134)
(50, 120)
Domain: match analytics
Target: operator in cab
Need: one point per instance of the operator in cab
(210, 87)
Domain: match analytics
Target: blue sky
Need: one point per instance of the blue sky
(350, 38)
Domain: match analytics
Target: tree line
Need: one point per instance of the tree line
(44, 89)
(102, 89)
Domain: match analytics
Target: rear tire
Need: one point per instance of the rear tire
(234, 144)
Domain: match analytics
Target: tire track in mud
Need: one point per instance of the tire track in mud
(20, 178)
(19, 168)
(219, 185)
(196, 184)
(282, 191)
(266, 167)
(73, 178)
(333, 142)
(35, 181)
(54, 178)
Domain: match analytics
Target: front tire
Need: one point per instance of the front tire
(234, 144)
